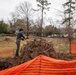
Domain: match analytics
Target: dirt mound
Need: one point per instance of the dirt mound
(34, 48)
(9, 62)
(3, 64)
(8, 40)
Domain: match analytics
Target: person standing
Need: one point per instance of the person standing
(20, 36)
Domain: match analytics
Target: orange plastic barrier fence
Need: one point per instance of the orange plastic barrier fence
(43, 65)
(73, 47)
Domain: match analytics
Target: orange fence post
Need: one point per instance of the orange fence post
(73, 47)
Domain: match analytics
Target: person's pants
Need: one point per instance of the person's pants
(18, 47)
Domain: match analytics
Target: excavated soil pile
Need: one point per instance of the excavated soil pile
(34, 48)
(9, 62)
(8, 40)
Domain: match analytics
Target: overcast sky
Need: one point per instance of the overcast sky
(8, 6)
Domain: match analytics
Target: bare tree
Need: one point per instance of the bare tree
(12, 22)
(25, 11)
(43, 5)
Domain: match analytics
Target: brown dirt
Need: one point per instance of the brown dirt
(6, 53)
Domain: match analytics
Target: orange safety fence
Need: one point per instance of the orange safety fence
(73, 47)
(43, 65)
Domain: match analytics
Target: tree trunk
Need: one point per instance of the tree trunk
(69, 30)
(27, 29)
(41, 22)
